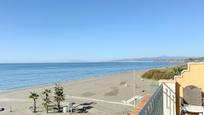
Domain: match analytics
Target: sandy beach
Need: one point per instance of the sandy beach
(103, 95)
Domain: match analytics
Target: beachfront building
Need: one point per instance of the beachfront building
(181, 96)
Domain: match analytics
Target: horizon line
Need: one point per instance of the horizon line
(94, 60)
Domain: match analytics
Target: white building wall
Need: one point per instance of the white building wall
(169, 98)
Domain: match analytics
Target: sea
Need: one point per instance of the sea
(22, 75)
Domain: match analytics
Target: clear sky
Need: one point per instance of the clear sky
(81, 30)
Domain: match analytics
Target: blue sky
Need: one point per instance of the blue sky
(84, 30)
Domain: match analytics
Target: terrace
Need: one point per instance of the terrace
(181, 96)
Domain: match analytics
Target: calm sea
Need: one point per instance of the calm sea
(13, 76)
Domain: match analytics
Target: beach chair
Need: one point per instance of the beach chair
(192, 100)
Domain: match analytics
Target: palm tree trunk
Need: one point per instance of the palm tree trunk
(47, 108)
(34, 106)
(58, 106)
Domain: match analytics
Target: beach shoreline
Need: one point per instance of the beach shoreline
(82, 79)
(72, 81)
(111, 88)
(21, 76)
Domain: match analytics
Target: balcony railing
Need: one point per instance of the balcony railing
(155, 105)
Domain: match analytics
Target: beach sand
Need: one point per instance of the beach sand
(102, 95)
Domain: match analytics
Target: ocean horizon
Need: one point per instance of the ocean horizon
(22, 75)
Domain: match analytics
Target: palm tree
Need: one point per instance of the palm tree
(58, 95)
(177, 70)
(46, 99)
(34, 96)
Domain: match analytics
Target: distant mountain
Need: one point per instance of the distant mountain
(157, 59)
(173, 57)
(195, 59)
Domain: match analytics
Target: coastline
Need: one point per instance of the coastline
(72, 81)
(20, 76)
(88, 78)
(108, 88)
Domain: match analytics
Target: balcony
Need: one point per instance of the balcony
(162, 102)
(155, 104)
(182, 96)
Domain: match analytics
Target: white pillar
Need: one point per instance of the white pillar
(169, 98)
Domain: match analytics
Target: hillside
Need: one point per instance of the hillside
(157, 59)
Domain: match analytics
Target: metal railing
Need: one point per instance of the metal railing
(155, 104)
